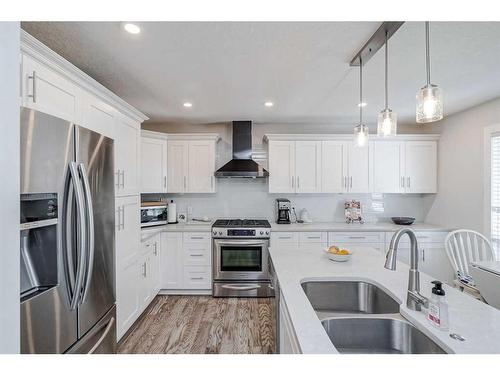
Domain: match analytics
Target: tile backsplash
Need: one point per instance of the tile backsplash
(249, 198)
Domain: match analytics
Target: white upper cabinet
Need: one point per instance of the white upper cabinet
(308, 167)
(191, 163)
(282, 167)
(46, 90)
(359, 179)
(127, 156)
(329, 163)
(333, 166)
(388, 167)
(201, 167)
(153, 165)
(421, 167)
(177, 167)
(97, 115)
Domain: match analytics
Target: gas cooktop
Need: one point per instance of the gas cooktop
(241, 223)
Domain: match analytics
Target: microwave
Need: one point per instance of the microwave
(153, 215)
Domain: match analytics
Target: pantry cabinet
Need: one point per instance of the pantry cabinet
(305, 163)
(153, 163)
(191, 163)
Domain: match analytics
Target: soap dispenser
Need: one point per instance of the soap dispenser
(438, 307)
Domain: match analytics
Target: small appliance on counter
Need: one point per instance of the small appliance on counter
(172, 213)
(352, 211)
(153, 213)
(283, 208)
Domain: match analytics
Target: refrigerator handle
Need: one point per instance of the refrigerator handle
(90, 229)
(67, 233)
(82, 230)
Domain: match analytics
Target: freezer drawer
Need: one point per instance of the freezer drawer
(101, 339)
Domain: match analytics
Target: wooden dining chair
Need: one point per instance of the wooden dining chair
(464, 247)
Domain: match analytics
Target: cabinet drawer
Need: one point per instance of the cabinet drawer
(313, 237)
(422, 237)
(284, 237)
(197, 277)
(357, 237)
(197, 237)
(196, 254)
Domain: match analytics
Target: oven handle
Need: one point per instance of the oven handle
(241, 287)
(241, 243)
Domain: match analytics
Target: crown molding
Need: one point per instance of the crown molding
(39, 51)
(347, 137)
(181, 136)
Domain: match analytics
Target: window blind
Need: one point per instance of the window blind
(495, 192)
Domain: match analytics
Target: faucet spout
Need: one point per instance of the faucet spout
(415, 300)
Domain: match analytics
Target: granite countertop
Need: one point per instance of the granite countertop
(477, 322)
(344, 227)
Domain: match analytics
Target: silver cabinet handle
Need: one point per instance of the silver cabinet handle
(155, 251)
(195, 255)
(345, 182)
(118, 226)
(123, 179)
(165, 181)
(197, 237)
(196, 278)
(314, 237)
(123, 218)
(144, 272)
(351, 181)
(357, 238)
(212, 182)
(298, 182)
(285, 238)
(291, 181)
(33, 95)
(185, 182)
(117, 178)
(409, 182)
(423, 255)
(402, 182)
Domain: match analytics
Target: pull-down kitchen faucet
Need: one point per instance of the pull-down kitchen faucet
(415, 300)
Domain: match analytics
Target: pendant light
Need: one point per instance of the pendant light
(387, 120)
(429, 97)
(361, 132)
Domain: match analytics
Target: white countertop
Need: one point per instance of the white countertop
(477, 322)
(344, 227)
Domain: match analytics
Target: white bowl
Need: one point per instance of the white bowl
(338, 257)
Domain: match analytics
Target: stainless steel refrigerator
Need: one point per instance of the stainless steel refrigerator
(67, 237)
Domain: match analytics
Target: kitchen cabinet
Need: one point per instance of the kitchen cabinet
(288, 342)
(143, 281)
(299, 240)
(191, 163)
(127, 224)
(186, 261)
(295, 167)
(97, 115)
(359, 179)
(152, 248)
(127, 156)
(127, 295)
(333, 166)
(405, 167)
(153, 164)
(47, 90)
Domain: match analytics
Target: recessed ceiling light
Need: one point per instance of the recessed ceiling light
(188, 105)
(269, 104)
(363, 104)
(132, 28)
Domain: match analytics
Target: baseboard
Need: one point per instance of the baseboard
(184, 292)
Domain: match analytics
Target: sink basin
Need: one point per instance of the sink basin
(378, 336)
(353, 297)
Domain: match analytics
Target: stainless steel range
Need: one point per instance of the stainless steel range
(240, 258)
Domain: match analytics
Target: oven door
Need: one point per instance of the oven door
(241, 259)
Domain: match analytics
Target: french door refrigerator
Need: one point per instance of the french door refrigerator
(67, 306)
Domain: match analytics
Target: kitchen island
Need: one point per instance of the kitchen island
(477, 322)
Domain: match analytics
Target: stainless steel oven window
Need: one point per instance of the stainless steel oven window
(241, 258)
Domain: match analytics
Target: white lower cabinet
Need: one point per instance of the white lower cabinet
(299, 240)
(288, 342)
(127, 295)
(186, 261)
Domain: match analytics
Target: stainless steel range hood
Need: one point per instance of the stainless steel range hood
(242, 164)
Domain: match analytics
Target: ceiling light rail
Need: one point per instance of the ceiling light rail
(376, 41)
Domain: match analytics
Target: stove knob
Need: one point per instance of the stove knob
(267, 232)
(261, 233)
(220, 233)
(214, 232)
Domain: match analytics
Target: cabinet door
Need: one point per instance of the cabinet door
(359, 168)
(127, 223)
(333, 167)
(127, 156)
(127, 295)
(144, 283)
(201, 167)
(98, 116)
(177, 166)
(171, 260)
(421, 166)
(308, 166)
(153, 165)
(48, 91)
(282, 167)
(388, 165)
(155, 265)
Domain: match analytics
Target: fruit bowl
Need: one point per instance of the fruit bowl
(338, 257)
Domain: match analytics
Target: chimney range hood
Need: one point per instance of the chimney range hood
(242, 164)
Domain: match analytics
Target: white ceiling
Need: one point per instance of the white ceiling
(228, 70)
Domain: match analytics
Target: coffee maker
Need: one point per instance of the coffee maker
(283, 208)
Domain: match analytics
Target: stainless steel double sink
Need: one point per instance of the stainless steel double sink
(359, 317)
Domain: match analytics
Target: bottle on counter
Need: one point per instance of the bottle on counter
(172, 212)
(438, 307)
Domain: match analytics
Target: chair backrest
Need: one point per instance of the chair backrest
(465, 246)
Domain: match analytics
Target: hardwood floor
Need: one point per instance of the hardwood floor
(203, 324)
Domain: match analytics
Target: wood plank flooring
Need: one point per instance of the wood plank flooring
(203, 324)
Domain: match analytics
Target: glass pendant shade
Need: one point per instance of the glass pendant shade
(387, 123)
(361, 135)
(429, 104)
